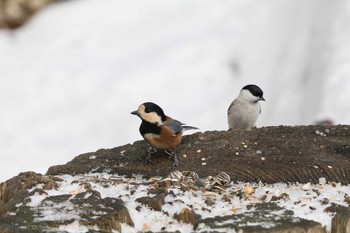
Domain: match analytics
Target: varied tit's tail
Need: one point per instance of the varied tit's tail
(187, 127)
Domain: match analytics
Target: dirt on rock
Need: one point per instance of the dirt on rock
(268, 154)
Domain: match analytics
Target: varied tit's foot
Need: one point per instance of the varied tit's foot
(173, 153)
(175, 161)
(150, 151)
(169, 152)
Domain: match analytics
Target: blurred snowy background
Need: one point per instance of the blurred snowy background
(71, 76)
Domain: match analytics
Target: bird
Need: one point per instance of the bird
(244, 111)
(159, 130)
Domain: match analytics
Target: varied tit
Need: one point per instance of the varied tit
(245, 109)
(160, 131)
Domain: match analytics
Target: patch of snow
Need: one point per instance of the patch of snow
(305, 203)
(36, 199)
(57, 212)
(75, 227)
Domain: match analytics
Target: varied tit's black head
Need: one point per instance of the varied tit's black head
(255, 91)
(151, 113)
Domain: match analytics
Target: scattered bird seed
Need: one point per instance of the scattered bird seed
(312, 208)
(122, 153)
(306, 186)
(322, 181)
(325, 201)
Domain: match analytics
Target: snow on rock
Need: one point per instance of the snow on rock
(79, 204)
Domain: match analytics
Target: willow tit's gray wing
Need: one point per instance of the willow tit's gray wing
(236, 115)
(229, 108)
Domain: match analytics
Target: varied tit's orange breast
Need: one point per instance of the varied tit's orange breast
(166, 140)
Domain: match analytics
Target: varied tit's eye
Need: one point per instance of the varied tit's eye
(147, 110)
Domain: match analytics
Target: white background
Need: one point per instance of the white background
(71, 76)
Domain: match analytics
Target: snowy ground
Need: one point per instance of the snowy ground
(68, 84)
(305, 200)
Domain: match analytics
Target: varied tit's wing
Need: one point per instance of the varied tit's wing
(174, 125)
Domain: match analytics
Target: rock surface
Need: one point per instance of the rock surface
(19, 214)
(30, 202)
(270, 154)
(187, 215)
(14, 190)
(262, 220)
(341, 220)
(154, 203)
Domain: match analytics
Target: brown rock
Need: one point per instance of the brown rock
(301, 157)
(347, 199)
(325, 201)
(14, 190)
(209, 201)
(226, 197)
(165, 183)
(154, 203)
(112, 222)
(157, 191)
(279, 152)
(283, 196)
(13, 13)
(187, 215)
(340, 223)
(282, 219)
(113, 212)
(341, 220)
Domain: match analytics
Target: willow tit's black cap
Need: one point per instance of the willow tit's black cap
(255, 90)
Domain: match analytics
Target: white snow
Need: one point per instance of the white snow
(74, 227)
(297, 199)
(68, 84)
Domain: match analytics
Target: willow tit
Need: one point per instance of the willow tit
(245, 109)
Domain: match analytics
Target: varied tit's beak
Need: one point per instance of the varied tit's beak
(135, 113)
(262, 98)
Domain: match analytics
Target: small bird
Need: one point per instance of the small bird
(160, 131)
(245, 109)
